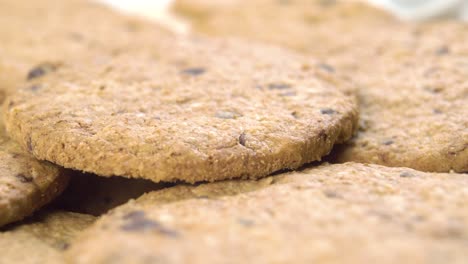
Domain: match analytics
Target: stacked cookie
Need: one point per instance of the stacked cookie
(225, 135)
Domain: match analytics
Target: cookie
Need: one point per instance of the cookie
(351, 213)
(94, 195)
(322, 28)
(26, 184)
(188, 109)
(37, 36)
(410, 76)
(42, 239)
(421, 123)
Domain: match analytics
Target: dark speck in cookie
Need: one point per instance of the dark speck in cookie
(194, 71)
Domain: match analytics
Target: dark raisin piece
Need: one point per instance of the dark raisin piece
(41, 70)
(29, 145)
(407, 174)
(245, 222)
(323, 135)
(35, 88)
(388, 142)
(140, 225)
(444, 50)
(24, 178)
(278, 86)
(194, 71)
(326, 67)
(332, 194)
(242, 139)
(327, 111)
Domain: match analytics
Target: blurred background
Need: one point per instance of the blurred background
(405, 9)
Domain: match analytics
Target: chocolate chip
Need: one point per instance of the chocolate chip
(444, 50)
(332, 194)
(323, 135)
(194, 71)
(62, 245)
(134, 214)
(24, 178)
(246, 222)
(407, 174)
(41, 70)
(35, 88)
(326, 67)
(136, 221)
(294, 114)
(140, 225)
(434, 90)
(227, 115)
(242, 139)
(11, 104)
(327, 111)
(388, 142)
(29, 145)
(278, 86)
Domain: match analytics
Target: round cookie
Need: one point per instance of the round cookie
(26, 184)
(43, 238)
(422, 123)
(411, 77)
(187, 109)
(371, 212)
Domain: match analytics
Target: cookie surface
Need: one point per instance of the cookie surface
(38, 36)
(26, 184)
(187, 109)
(422, 123)
(41, 239)
(411, 78)
(351, 213)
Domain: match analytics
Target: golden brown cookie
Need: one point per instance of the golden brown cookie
(39, 35)
(414, 114)
(26, 184)
(411, 77)
(41, 239)
(187, 109)
(351, 213)
(318, 27)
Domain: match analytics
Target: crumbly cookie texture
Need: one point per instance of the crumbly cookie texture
(414, 114)
(41, 239)
(411, 77)
(37, 36)
(351, 213)
(26, 184)
(187, 109)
